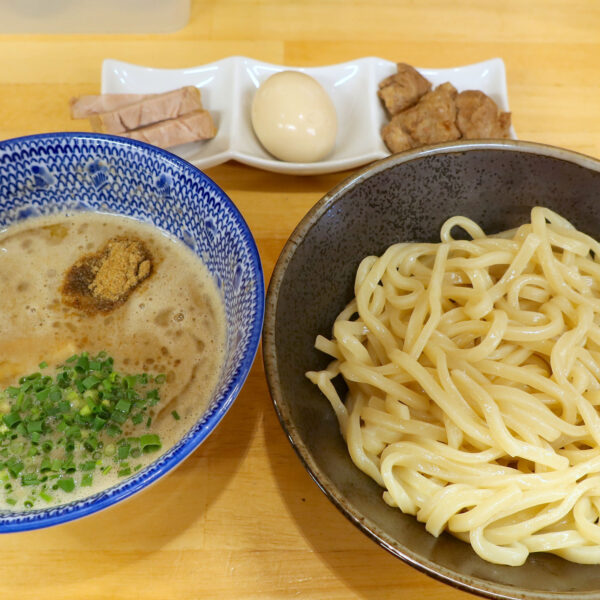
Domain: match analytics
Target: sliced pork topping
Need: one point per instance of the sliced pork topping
(86, 106)
(159, 107)
(194, 126)
(164, 120)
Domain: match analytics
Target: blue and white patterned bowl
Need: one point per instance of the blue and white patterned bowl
(57, 172)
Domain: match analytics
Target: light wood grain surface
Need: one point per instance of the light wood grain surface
(241, 519)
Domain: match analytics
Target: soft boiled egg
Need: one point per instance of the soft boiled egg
(294, 118)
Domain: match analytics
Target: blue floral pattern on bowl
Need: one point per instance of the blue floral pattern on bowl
(65, 172)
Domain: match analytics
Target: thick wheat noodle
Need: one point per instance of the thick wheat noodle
(473, 374)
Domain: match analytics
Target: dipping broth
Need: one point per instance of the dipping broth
(172, 323)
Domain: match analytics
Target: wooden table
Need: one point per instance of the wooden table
(241, 518)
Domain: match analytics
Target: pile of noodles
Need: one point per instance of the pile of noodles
(473, 370)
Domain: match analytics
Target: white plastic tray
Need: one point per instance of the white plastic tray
(228, 87)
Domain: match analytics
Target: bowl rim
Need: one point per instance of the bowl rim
(54, 515)
(472, 584)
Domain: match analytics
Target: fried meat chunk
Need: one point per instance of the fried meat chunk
(402, 89)
(431, 121)
(478, 116)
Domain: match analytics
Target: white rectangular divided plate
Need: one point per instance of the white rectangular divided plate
(228, 87)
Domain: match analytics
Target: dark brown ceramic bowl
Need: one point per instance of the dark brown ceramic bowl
(406, 198)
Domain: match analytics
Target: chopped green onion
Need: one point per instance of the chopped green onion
(98, 423)
(90, 444)
(34, 426)
(67, 484)
(113, 430)
(76, 411)
(83, 363)
(42, 394)
(68, 466)
(11, 419)
(118, 417)
(90, 382)
(14, 466)
(150, 442)
(29, 479)
(123, 406)
(109, 450)
(123, 451)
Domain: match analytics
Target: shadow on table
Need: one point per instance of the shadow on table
(357, 562)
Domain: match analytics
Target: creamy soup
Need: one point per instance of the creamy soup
(172, 323)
